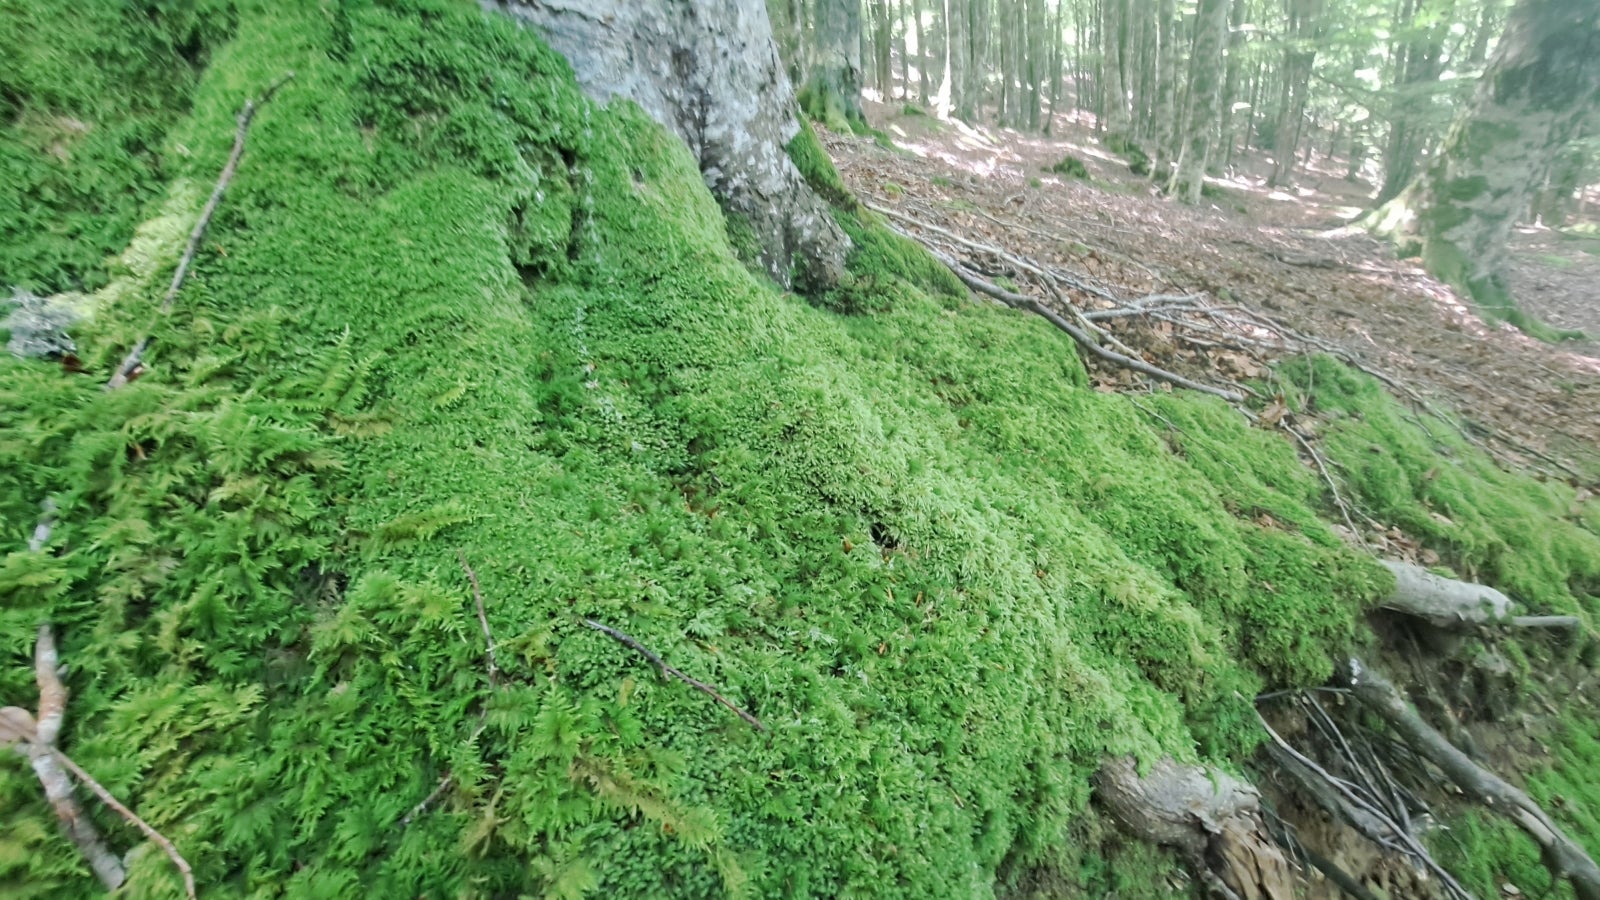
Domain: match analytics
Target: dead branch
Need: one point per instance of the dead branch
(133, 360)
(1341, 800)
(428, 801)
(669, 671)
(1327, 477)
(1564, 857)
(155, 836)
(1029, 304)
(35, 738)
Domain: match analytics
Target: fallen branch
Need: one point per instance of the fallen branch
(131, 363)
(1562, 856)
(669, 671)
(1443, 601)
(1029, 304)
(155, 836)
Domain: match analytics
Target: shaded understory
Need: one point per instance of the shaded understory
(450, 306)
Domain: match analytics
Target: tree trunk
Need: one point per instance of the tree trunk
(1205, 86)
(1113, 67)
(1298, 59)
(708, 71)
(832, 91)
(882, 38)
(1164, 130)
(1541, 82)
(1230, 81)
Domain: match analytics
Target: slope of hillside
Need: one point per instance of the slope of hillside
(452, 320)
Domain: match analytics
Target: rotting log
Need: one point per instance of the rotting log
(1454, 605)
(1562, 856)
(1209, 816)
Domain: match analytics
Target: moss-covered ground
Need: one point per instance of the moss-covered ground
(450, 309)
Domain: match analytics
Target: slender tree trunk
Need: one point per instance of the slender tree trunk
(1113, 67)
(1164, 129)
(882, 28)
(907, 35)
(1230, 81)
(1298, 59)
(1205, 89)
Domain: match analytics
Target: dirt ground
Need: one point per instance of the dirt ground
(1281, 253)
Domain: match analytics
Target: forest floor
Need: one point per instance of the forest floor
(1281, 253)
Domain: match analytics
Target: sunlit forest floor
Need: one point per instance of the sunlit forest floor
(1285, 253)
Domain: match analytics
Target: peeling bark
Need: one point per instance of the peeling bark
(709, 71)
(1208, 815)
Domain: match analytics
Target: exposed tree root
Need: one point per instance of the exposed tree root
(1209, 816)
(1562, 856)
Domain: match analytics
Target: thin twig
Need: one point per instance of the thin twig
(422, 807)
(1327, 477)
(672, 672)
(157, 837)
(133, 360)
(483, 620)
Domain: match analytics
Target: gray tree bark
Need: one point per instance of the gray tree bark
(1542, 80)
(1205, 90)
(707, 70)
(832, 91)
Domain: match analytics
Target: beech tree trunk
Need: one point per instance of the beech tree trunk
(832, 91)
(1205, 89)
(1542, 80)
(708, 70)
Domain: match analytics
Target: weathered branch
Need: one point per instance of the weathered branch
(1564, 857)
(155, 836)
(131, 363)
(674, 673)
(1443, 601)
(1203, 813)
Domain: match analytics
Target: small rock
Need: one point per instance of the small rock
(38, 325)
(1510, 889)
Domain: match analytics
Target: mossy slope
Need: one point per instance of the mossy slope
(450, 306)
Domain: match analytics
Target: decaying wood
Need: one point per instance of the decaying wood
(1205, 814)
(1564, 857)
(1450, 604)
(667, 670)
(132, 362)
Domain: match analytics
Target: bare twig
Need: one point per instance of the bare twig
(133, 360)
(1564, 857)
(155, 836)
(426, 802)
(1327, 477)
(1029, 304)
(483, 620)
(668, 670)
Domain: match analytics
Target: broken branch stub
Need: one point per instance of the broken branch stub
(1206, 814)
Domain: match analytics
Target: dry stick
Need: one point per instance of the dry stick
(422, 807)
(1411, 844)
(483, 619)
(1029, 304)
(670, 671)
(39, 747)
(132, 361)
(128, 814)
(1564, 857)
(1333, 487)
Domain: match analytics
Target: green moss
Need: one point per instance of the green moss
(1070, 166)
(451, 307)
(1531, 538)
(87, 102)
